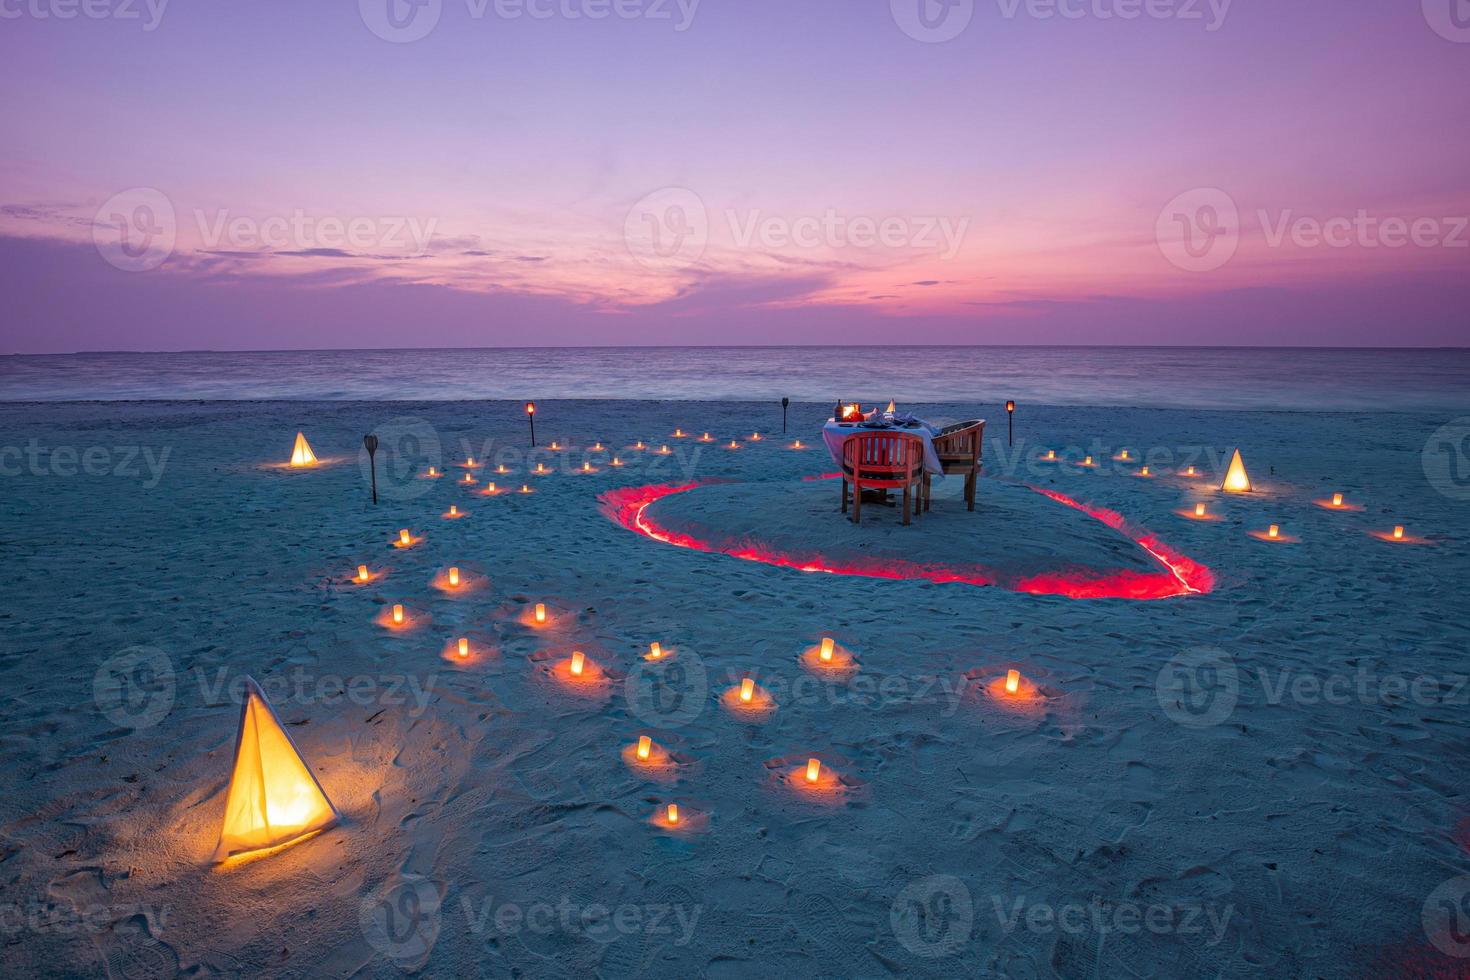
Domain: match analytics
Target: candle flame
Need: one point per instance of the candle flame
(398, 614)
(1013, 681)
(464, 647)
(1274, 531)
(673, 813)
(813, 770)
(404, 537)
(540, 615)
(579, 663)
(362, 573)
(747, 689)
(655, 650)
(1199, 510)
(454, 577)
(826, 652)
(1236, 478)
(1337, 500)
(1398, 531)
(645, 746)
(301, 454)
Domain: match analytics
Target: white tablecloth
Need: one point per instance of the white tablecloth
(834, 434)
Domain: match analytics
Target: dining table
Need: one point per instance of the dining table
(837, 431)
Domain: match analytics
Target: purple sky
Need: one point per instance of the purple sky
(818, 171)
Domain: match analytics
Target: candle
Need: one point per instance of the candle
(454, 577)
(813, 770)
(755, 437)
(433, 471)
(826, 651)
(1199, 510)
(1051, 454)
(467, 479)
(540, 612)
(645, 746)
(734, 444)
(664, 449)
(579, 662)
(453, 510)
(470, 462)
(655, 650)
(1274, 531)
(525, 488)
(1123, 454)
(747, 689)
(398, 614)
(1013, 681)
(1189, 472)
(1337, 500)
(705, 437)
(616, 461)
(673, 813)
(639, 445)
(678, 433)
(1144, 471)
(586, 466)
(489, 488)
(403, 537)
(1087, 461)
(464, 647)
(1398, 532)
(362, 573)
(540, 468)
(796, 445)
(555, 444)
(501, 469)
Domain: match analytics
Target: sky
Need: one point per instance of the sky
(411, 173)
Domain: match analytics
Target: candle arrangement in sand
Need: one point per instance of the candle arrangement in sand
(813, 770)
(301, 454)
(579, 663)
(454, 578)
(672, 813)
(398, 615)
(797, 445)
(706, 438)
(1274, 531)
(1398, 532)
(747, 690)
(273, 799)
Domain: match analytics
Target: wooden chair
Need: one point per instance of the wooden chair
(958, 448)
(882, 461)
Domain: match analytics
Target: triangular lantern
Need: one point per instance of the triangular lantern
(273, 799)
(1236, 479)
(302, 454)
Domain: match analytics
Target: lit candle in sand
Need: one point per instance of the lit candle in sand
(655, 650)
(1189, 472)
(1398, 532)
(813, 770)
(433, 471)
(1144, 471)
(734, 444)
(464, 647)
(645, 746)
(639, 445)
(454, 578)
(1087, 461)
(664, 449)
(1013, 681)
(501, 469)
(586, 466)
(1274, 531)
(579, 663)
(616, 461)
(1337, 500)
(747, 690)
(362, 573)
(453, 510)
(673, 813)
(471, 462)
(1199, 510)
(1123, 455)
(467, 480)
(678, 433)
(796, 444)
(597, 447)
(755, 437)
(525, 488)
(398, 614)
(540, 613)
(705, 438)
(489, 488)
(1051, 454)
(301, 454)
(554, 444)
(540, 469)
(826, 652)
(404, 538)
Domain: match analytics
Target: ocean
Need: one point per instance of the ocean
(1320, 379)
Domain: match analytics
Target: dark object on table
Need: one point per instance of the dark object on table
(958, 448)
(370, 443)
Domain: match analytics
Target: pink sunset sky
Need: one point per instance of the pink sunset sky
(281, 175)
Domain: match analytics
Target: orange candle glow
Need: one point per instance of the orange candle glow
(655, 650)
(579, 663)
(540, 468)
(645, 746)
(678, 433)
(755, 437)
(554, 444)
(464, 647)
(1123, 455)
(489, 488)
(734, 444)
(454, 578)
(433, 471)
(398, 614)
(586, 466)
(664, 449)
(826, 651)
(525, 488)
(403, 537)
(1189, 472)
(639, 445)
(453, 510)
(747, 689)
(1013, 681)
(540, 614)
(796, 445)
(1051, 454)
(1398, 532)
(813, 770)
(471, 462)
(1144, 471)
(673, 813)
(616, 461)
(1337, 500)
(501, 469)
(705, 438)
(362, 573)
(1274, 531)
(1087, 461)
(1199, 510)
(597, 447)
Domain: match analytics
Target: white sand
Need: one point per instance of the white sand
(1296, 837)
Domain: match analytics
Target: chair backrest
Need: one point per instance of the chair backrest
(883, 455)
(961, 444)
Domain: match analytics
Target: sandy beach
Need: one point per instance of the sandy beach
(1261, 775)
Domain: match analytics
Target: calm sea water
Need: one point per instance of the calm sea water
(1168, 377)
